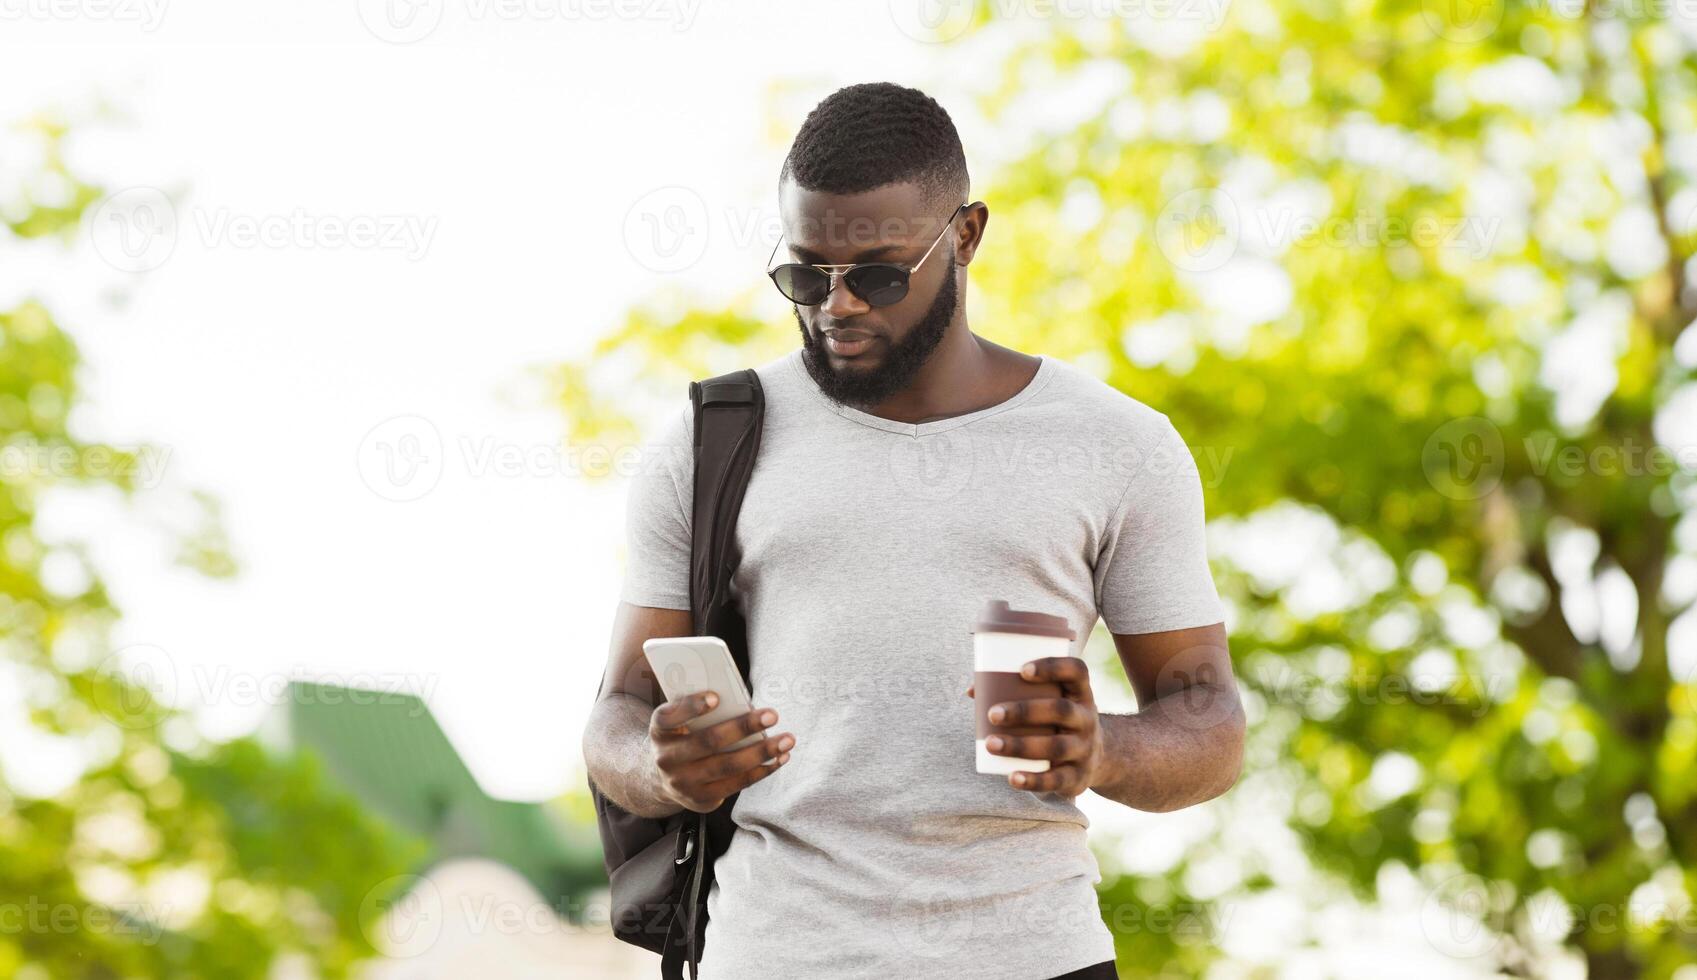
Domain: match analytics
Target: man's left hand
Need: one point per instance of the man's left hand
(1075, 751)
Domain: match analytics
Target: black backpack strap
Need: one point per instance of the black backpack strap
(730, 412)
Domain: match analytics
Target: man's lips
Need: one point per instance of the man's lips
(848, 343)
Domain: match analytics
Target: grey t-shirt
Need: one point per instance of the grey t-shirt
(869, 547)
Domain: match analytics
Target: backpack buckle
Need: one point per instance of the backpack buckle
(686, 844)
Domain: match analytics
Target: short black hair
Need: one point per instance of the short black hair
(866, 136)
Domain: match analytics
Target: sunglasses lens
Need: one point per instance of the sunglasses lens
(879, 285)
(801, 284)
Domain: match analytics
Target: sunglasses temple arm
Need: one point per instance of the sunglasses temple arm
(940, 234)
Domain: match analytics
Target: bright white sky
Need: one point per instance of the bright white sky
(510, 153)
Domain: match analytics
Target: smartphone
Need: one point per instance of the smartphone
(686, 665)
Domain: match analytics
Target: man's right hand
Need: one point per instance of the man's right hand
(695, 771)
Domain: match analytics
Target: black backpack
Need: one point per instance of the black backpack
(661, 870)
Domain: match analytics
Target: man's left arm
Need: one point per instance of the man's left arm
(1185, 743)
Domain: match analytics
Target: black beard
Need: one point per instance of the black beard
(906, 356)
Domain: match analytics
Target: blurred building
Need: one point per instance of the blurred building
(509, 889)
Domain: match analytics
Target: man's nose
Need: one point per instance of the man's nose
(841, 302)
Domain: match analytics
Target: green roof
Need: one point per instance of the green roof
(386, 749)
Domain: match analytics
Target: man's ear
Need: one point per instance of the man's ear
(971, 233)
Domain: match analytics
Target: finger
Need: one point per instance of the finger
(693, 766)
(738, 783)
(723, 765)
(670, 718)
(1065, 713)
(715, 738)
(723, 775)
(1058, 779)
(1071, 673)
(1055, 748)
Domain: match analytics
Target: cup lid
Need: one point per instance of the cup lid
(996, 617)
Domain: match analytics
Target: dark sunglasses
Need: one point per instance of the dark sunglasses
(878, 283)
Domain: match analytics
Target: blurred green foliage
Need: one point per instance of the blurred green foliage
(1345, 246)
(168, 856)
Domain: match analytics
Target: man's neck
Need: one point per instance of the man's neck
(963, 375)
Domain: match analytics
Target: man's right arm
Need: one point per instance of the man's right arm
(615, 742)
(646, 760)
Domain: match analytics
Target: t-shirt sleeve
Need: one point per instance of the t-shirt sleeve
(1152, 572)
(657, 518)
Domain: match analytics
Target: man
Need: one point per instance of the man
(909, 471)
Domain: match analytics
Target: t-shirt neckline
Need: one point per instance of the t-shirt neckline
(1045, 370)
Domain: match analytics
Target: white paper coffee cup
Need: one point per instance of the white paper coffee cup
(1003, 641)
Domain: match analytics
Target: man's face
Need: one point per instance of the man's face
(890, 224)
